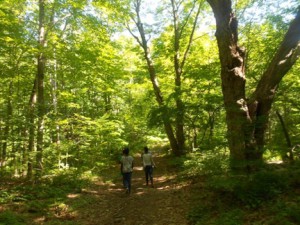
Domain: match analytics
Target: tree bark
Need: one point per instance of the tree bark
(40, 89)
(9, 111)
(178, 72)
(287, 138)
(31, 117)
(247, 119)
(261, 101)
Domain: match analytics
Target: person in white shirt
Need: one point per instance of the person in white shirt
(148, 165)
(127, 168)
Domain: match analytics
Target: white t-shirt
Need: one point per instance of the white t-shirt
(147, 159)
(127, 164)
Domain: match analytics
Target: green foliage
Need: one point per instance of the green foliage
(41, 198)
(231, 217)
(215, 213)
(236, 199)
(200, 213)
(251, 191)
(285, 210)
(214, 162)
(11, 218)
(292, 213)
(5, 196)
(69, 181)
(263, 186)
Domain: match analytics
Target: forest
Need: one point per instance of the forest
(210, 86)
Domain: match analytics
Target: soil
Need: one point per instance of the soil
(108, 204)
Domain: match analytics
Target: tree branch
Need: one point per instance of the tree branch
(285, 57)
(191, 37)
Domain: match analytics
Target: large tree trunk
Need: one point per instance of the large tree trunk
(247, 120)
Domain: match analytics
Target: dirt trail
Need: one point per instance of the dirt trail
(165, 204)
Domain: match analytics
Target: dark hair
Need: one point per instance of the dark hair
(126, 151)
(146, 149)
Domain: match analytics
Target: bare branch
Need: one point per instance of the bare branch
(133, 35)
(187, 18)
(191, 37)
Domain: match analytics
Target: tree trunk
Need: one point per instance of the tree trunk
(151, 69)
(179, 27)
(177, 138)
(31, 117)
(247, 120)
(40, 89)
(287, 138)
(166, 121)
(261, 101)
(7, 126)
(56, 130)
(178, 72)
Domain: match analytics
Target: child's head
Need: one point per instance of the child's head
(126, 151)
(146, 149)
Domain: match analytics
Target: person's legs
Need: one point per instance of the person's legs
(124, 182)
(127, 181)
(147, 173)
(151, 175)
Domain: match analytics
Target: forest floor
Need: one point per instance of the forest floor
(268, 197)
(104, 202)
(165, 204)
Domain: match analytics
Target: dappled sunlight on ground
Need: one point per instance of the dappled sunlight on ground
(39, 220)
(138, 168)
(73, 195)
(105, 202)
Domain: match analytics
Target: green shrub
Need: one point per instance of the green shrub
(293, 214)
(5, 196)
(206, 163)
(69, 181)
(231, 217)
(263, 186)
(201, 213)
(10, 218)
(251, 191)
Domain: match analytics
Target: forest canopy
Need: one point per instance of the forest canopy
(82, 79)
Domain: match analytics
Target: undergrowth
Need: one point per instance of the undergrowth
(21, 202)
(261, 198)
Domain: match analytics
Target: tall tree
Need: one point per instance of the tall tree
(179, 61)
(247, 117)
(183, 15)
(143, 42)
